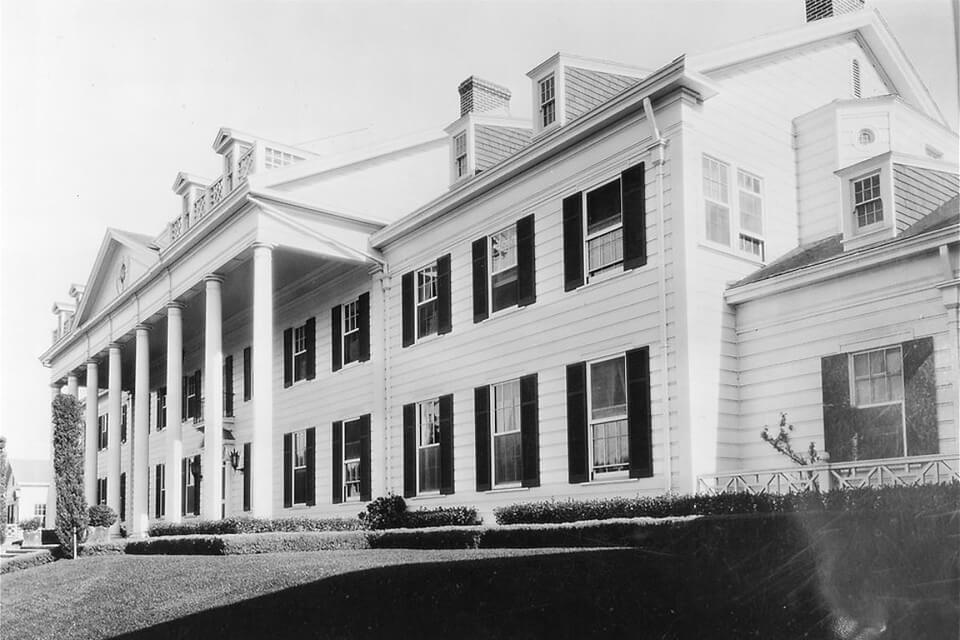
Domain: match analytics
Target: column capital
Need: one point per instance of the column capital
(114, 345)
(92, 362)
(143, 327)
(213, 277)
(269, 246)
(173, 304)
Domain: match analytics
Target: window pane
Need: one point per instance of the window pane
(893, 361)
(351, 347)
(299, 449)
(429, 422)
(351, 440)
(300, 486)
(877, 362)
(429, 472)
(506, 456)
(504, 289)
(863, 392)
(603, 207)
(751, 218)
(427, 321)
(860, 362)
(503, 250)
(610, 446)
(427, 284)
(896, 387)
(506, 406)
(715, 180)
(718, 223)
(605, 251)
(608, 395)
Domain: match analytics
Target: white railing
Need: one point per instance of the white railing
(245, 164)
(908, 471)
(215, 192)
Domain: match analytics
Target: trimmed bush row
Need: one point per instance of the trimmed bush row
(252, 525)
(45, 556)
(27, 560)
(390, 512)
(906, 500)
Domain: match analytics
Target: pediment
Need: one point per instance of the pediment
(124, 258)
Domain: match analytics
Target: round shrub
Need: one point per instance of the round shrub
(32, 524)
(386, 512)
(101, 515)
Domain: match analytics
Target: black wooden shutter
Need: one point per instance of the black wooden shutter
(481, 412)
(530, 431)
(572, 242)
(446, 444)
(157, 498)
(444, 297)
(198, 396)
(639, 424)
(408, 307)
(311, 454)
(366, 488)
(159, 410)
(228, 386)
(363, 322)
(311, 331)
(287, 470)
(480, 311)
(183, 399)
(196, 485)
(247, 373)
(526, 262)
(920, 397)
(409, 450)
(336, 343)
(577, 422)
(247, 470)
(184, 470)
(287, 357)
(634, 199)
(835, 386)
(337, 441)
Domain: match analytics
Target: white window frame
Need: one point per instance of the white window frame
(124, 422)
(616, 474)
(509, 230)
(349, 315)
(854, 395)
(422, 407)
(875, 190)
(418, 302)
(545, 102)
(349, 461)
(299, 353)
(40, 510)
(513, 432)
(460, 166)
(295, 438)
(193, 392)
(741, 241)
(102, 490)
(162, 412)
(103, 433)
(188, 487)
(588, 237)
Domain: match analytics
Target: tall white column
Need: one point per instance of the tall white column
(212, 402)
(72, 385)
(140, 469)
(114, 392)
(261, 481)
(173, 488)
(93, 433)
(378, 357)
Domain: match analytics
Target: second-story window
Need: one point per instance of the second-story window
(733, 222)
(299, 352)
(867, 204)
(102, 431)
(717, 195)
(350, 331)
(427, 301)
(192, 406)
(604, 221)
(508, 257)
(503, 268)
(161, 408)
(460, 155)
(548, 107)
(425, 297)
(228, 386)
(124, 417)
(751, 213)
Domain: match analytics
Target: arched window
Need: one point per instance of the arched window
(865, 137)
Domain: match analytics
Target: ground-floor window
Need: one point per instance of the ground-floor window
(160, 491)
(101, 491)
(39, 510)
(609, 433)
(507, 434)
(299, 467)
(190, 476)
(351, 459)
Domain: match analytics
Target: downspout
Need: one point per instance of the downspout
(659, 144)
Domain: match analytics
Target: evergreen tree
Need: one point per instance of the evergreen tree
(68, 468)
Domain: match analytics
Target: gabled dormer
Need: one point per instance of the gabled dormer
(64, 312)
(485, 133)
(191, 190)
(564, 87)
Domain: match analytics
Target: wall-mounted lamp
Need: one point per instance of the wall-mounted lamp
(235, 460)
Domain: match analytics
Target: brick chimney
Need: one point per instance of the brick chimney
(819, 9)
(478, 95)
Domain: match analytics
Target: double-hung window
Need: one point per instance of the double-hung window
(161, 408)
(609, 433)
(427, 318)
(867, 203)
(101, 491)
(350, 332)
(190, 497)
(548, 105)
(507, 465)
(124, 417)
(102, 422)
(299, 468)
(604, 228)
(351, 460)
(877, 376)
(460, 154)
(428, 446)
(503, 268)
(299, 353)
(160, 491)
(733, 222)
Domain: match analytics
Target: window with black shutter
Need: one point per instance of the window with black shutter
(604, 228)
(350, 332)
(228, 386)
(509, 256)
(160, 491)
(191, 396)
(428, 447)
(507, 433)
(161, 408)
(299, 468)
(426, 301)
(247, 373)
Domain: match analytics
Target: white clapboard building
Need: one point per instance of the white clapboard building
(608, 296)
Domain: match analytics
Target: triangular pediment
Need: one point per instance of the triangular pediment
(124, 258)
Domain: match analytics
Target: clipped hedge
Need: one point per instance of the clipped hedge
(249, 543)
(390, 512)
(241, 525)
(907, 500)
(27, 561)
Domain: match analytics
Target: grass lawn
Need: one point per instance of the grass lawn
(553, 593)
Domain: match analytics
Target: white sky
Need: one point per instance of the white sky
(104, 102)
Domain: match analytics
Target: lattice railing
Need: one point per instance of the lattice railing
(907, 471)
(216, 192)
(245, 164)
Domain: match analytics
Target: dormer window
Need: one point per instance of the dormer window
(548, 107)
(460, 155)
(867, 204)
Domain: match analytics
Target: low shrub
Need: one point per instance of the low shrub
(434, 538)
(32, 524)
(178, 545)
(252, 525)
(100, 515)
(302, 541)
(385, 512)
(908, 500)
(27, 561)
(113, 548)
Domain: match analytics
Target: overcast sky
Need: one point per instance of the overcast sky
(104, 102)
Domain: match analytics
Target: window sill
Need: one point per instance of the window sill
(510, 489)
(730, 252)
(427, 339)
(610, 481)
(350, 365)
(426, 496)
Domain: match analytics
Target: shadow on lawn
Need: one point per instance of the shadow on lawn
(611, 593)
